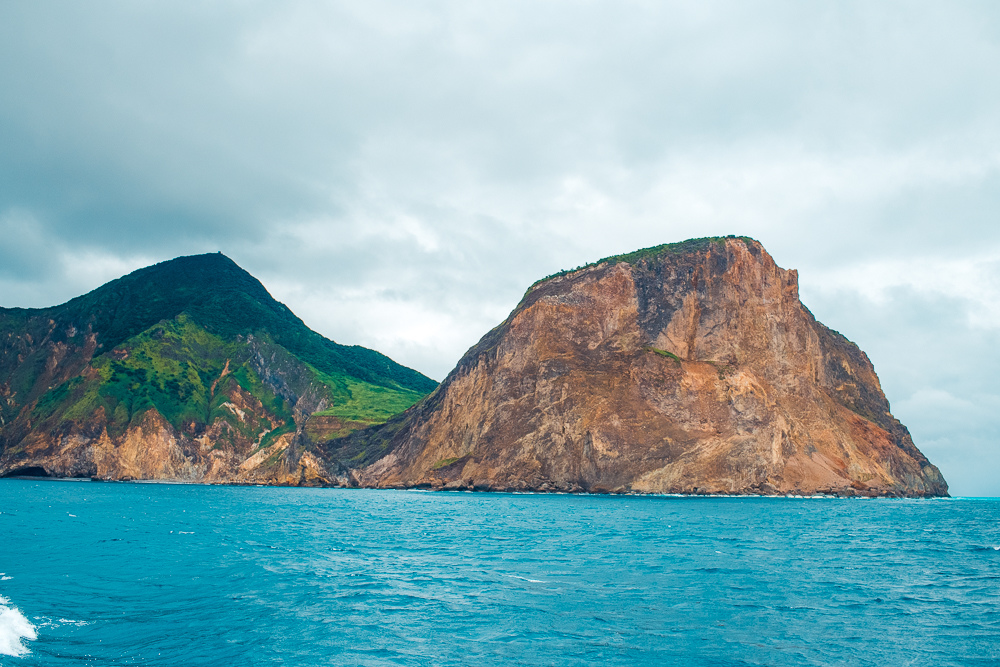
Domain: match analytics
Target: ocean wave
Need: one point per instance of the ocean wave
(533, 581)
(14, 630)
(44, 622)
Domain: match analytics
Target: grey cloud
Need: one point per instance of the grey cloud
(24, 254)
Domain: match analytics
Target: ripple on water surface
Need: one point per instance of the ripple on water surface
(161, 574)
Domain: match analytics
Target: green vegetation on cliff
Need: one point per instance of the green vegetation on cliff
(224, 299)
(201, 342)
(634, 257)
(175, 367)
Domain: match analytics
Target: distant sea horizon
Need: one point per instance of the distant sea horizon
(167, 574)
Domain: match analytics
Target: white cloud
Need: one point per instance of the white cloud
(973, 281)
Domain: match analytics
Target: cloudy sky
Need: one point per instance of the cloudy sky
(399, 174)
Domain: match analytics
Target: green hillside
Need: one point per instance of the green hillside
(202, 342)
(224, 299)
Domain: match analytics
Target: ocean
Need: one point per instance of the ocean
(158, 574)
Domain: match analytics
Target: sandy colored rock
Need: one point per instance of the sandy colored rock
(692, 369)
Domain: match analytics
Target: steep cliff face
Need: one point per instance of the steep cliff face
(187, 370)
(687, 368)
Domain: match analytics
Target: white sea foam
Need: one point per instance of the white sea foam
(14, 630)
(45, 622)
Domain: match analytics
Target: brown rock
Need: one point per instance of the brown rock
(691, 368)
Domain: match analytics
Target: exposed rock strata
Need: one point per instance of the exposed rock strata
(233, 448)
(693, 368)
(186, 371)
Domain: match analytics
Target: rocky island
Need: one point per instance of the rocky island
(687, 368)
(184, 371)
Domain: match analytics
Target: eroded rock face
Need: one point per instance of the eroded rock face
(150, 448)
(693, 369)
(187, 370)
(243, 440)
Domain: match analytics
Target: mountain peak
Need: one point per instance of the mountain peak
(186, 369)
(695, 245)
(223, 298)
(689, 367)
(211, 288)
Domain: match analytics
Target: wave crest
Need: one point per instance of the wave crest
(14, 630)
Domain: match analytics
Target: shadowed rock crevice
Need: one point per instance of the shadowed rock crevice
(27, 471)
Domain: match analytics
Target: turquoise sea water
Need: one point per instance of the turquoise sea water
(111, 574)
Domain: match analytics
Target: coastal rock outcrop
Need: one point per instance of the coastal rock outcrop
(184, 371)
(687, 368)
